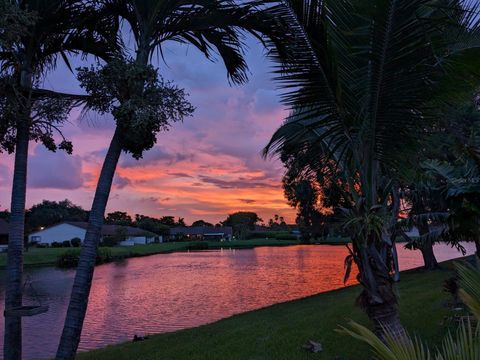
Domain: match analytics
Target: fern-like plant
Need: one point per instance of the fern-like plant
(463, 344)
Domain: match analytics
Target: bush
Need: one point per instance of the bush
(103, 256)
(68, 259)
(66, 243)
(110, 241)
(56, 244)
(41, 246)
(76, 242)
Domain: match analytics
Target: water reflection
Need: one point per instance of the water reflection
(173, 291)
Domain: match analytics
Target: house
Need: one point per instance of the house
(3, 235)
(201, 233)
(77, 229)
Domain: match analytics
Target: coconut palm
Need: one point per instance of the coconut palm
(212, 26)
(362, 85)
(464, 344)
(33, 35)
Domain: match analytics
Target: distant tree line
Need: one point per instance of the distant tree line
(48, 213)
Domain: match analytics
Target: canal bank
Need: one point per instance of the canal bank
(168, 292)
(50, 256)
(279, 331)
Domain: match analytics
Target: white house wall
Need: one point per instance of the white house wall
(57, 233)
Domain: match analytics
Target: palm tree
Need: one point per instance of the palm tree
(210, 26)
(361, 88)
(35, 33)
(464, 344)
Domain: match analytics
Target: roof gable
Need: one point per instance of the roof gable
(107, 230)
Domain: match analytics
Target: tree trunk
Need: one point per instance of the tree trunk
(477, 246)
(77, 307)
(378, 298)
(385, 316)
(429, 259)
(13, 295)
(426, 248)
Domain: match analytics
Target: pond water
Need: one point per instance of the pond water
(167, 292)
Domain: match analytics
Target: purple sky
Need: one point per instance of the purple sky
(204, 168)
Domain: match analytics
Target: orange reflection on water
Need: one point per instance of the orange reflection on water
(173, 291)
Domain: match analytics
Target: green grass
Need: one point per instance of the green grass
(333, 240)
(278, 332)
(48, 256)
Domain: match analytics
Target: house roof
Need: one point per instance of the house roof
(110, 230)
(201, 230)
(3, 227)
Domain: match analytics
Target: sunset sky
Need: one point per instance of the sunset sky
(204, 168)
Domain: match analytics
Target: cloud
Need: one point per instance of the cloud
(156, 155)
(5, 176)
(247, 201)
(49, 170)
(207, 166)
(234, 184)
(120, 182)
(181, 175)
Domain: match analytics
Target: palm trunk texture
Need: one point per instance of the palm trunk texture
(12, 349)
(77, 307)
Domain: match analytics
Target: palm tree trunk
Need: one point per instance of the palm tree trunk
(385, 316)
(77, 307)
(426, 248)
(429, 259)
(13, 295)
(378, 298)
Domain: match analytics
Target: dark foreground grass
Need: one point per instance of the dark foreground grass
(49, 256)
(279, 331)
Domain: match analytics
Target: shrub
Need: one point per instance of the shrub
(110, 241)
(103, 256)
(68, 259)
(76, 242)
(41, 246)
(66, 243)
(56, 244)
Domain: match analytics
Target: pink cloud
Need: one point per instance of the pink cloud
(206, 167)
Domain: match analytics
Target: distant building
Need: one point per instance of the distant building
(3, 235)
(201, 233)
(76, 229)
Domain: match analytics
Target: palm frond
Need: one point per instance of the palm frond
(390, 348)
(470, 287)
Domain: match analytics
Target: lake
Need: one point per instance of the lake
(167, 292)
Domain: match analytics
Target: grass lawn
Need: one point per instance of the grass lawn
(279, 331)
(48, 256)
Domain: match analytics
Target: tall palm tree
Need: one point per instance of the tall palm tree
(362, 85)
(463, 344)
(211, 26)
(35, 34)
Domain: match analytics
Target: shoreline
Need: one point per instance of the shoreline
(42, 257)
(278, 331)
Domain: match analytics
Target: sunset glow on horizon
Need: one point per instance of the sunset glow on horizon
(205, 168)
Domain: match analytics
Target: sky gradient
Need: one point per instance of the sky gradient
(204, 168)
